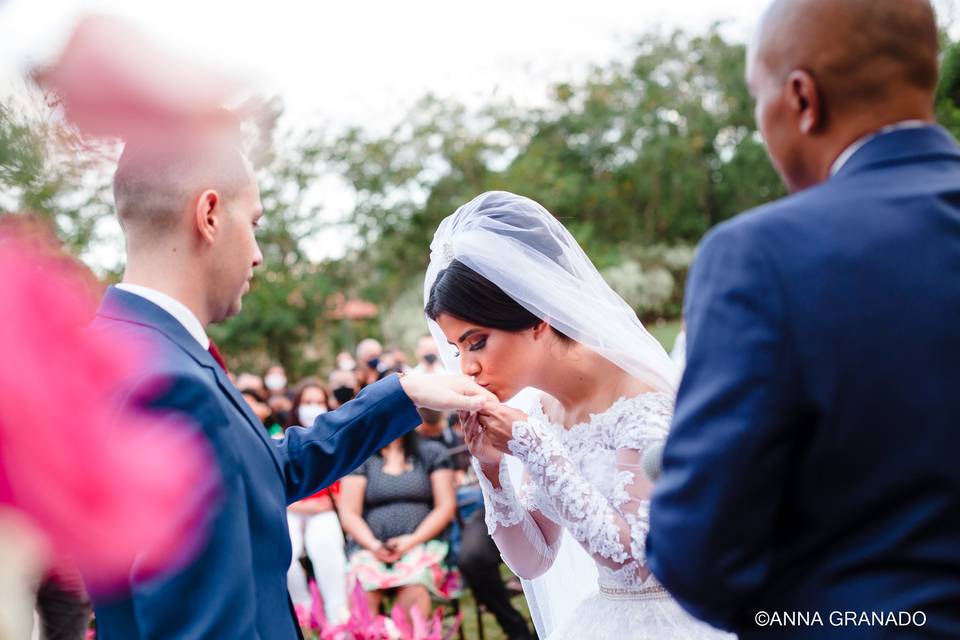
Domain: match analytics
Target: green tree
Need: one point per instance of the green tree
(655, 150)
(49, 171)
(285, 315)
(948, 91)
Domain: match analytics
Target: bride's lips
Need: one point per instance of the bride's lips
(491, 389)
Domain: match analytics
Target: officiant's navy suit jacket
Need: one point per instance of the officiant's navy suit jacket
(236, 585)
(814, 459)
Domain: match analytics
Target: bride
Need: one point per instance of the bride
(511, 294)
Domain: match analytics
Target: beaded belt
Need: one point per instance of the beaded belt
(652, 592)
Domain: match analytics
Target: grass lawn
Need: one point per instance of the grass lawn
(491, 630)
(665, 331)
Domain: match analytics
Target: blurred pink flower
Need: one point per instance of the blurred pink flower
(104, 487)
(365, 625)
(303, 616)
(318, 618)
(113, 80)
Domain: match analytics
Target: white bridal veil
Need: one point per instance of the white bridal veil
(521, 248)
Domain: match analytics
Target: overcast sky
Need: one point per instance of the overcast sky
(361, 61)
(364, 62)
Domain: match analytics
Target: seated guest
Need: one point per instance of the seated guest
(343, 387)
(246, 380)
(369, 352)
(258, 402)
(345, 361)
(428, 358)
(314, 525)
(395, 508)
(399, 357)
(435, 428)
(278, 397)
(310, 400)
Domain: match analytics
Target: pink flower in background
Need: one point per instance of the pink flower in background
(318, 618)
(103, 486)
(114, 81)
(364, 624)
(303, 616)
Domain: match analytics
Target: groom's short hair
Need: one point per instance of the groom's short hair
(157, 179)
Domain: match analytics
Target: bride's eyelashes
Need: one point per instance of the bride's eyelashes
(476, 346)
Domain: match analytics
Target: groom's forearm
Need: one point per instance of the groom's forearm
(340, 440)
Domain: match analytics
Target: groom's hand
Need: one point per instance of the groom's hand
(445, 392)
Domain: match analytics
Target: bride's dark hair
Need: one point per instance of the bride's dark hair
(461, 292)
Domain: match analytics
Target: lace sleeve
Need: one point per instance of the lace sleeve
(501, 506)
(611, 528)
(527, 545)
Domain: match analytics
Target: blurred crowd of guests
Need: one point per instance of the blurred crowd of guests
(408, 524)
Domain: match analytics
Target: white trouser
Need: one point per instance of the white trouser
(323, 538)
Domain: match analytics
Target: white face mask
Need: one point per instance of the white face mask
(346, 365)
(308, 413)
(275, 381)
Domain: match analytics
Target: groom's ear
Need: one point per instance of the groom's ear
(206, 215)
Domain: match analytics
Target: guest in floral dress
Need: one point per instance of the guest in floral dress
(396, 508)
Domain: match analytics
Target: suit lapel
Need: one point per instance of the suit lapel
(236, 397)
(127, 307)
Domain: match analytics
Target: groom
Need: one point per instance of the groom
(810, 484)
(189, 208)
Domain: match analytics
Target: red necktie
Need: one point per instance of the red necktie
(216, 356)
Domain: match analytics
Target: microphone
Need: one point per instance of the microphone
(651, 461)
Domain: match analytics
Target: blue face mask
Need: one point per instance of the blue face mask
(373, 363)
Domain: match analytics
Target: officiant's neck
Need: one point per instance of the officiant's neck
(584, 382)
(851, 130)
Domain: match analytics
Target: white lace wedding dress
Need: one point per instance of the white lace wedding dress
(587, 480)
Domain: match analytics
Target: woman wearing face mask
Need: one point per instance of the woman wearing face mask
(314, 524)
(278, 397)
(343, 387)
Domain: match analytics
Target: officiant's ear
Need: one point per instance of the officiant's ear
(804, 98)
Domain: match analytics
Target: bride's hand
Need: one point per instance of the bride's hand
(496, 422)
(479, 448)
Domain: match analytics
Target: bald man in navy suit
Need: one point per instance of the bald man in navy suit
(812, 464)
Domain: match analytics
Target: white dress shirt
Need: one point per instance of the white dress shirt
(856, 146)
(172, 306)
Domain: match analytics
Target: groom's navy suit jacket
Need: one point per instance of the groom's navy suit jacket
(814, 460)
(236, 585)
